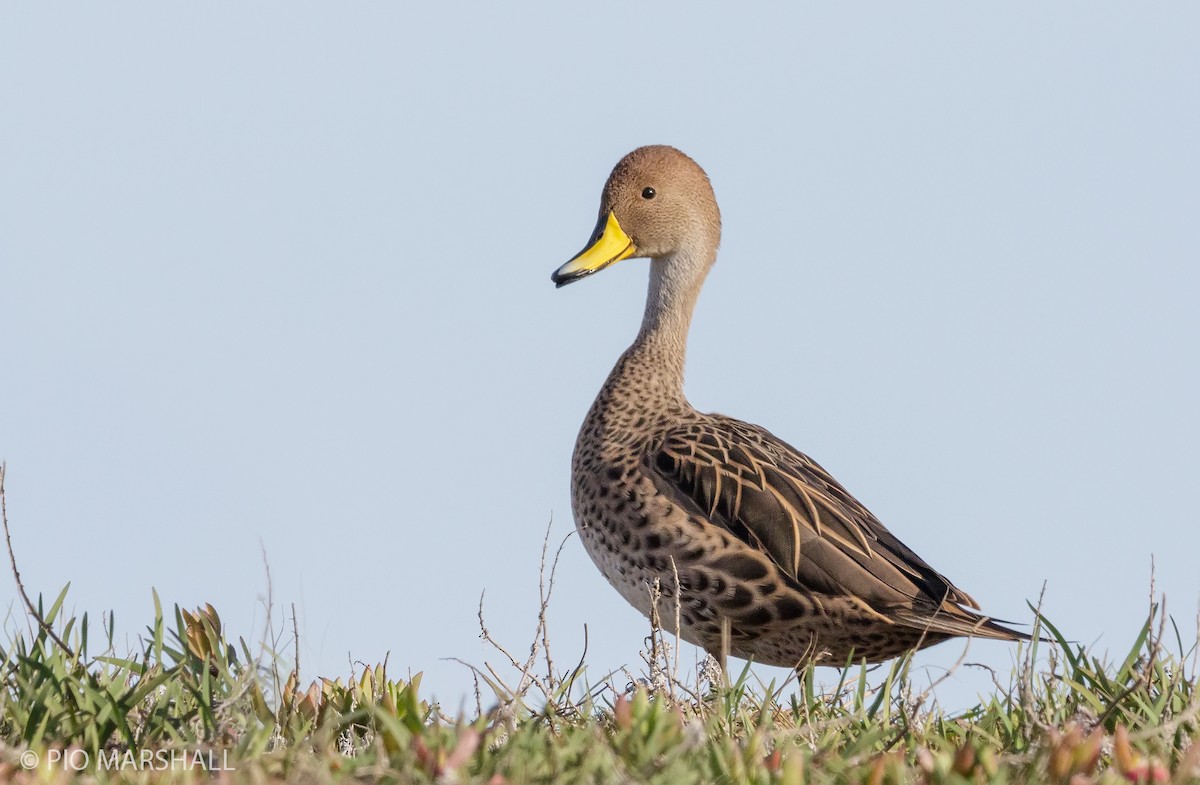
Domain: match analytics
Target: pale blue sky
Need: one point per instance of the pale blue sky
(279, 273)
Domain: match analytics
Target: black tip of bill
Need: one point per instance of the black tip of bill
(561, 279)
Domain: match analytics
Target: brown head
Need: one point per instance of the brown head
(657, 203)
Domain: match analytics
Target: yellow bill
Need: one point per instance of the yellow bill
(610, 245)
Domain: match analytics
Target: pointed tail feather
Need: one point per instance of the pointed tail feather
(956, 620)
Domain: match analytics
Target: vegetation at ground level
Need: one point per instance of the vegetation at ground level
(193, 703)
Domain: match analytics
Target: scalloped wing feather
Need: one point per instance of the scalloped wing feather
(781, 502)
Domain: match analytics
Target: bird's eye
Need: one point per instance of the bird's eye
(648, 193)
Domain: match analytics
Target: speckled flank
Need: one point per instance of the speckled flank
(757, 532)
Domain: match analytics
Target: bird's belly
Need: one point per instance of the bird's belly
(629, 542)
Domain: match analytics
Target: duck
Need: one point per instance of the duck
(764, 554)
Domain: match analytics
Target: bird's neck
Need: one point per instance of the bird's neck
(660, 349)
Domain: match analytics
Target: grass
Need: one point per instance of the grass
(192, 703)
